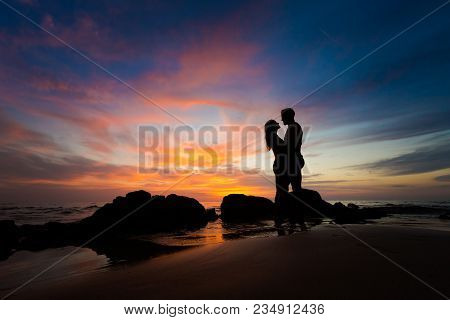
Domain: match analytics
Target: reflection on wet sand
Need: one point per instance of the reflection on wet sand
(103, 255)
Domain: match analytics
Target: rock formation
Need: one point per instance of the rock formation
(239, 207)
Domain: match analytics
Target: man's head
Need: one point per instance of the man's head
(287, 116)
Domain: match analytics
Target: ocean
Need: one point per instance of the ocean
(71, 212)
(18, 267)
(217, 231)
(43, 213)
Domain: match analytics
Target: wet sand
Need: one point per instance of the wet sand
(324, 263)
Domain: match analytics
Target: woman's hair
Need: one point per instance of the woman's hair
(270, 128)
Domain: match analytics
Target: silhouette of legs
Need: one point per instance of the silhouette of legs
(282, 185)
(279, 225)
(296, 181)
(295, 166)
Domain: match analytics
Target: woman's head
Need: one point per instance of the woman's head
(271, 127)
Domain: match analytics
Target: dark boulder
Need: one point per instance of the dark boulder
(120, 207)
(49, 235)
(352, 206)
(9, 237)
(343, 214)
(139, 196)
(176, 211)
(9, 232)
(116, 222)
(239, 207)
(140, 212)
(307, 203)
(211, 214)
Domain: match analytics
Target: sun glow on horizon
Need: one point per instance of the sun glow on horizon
(70, 131)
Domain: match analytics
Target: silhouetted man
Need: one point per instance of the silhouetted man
(293, 141)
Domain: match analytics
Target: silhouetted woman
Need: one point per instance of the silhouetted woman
(277, 145)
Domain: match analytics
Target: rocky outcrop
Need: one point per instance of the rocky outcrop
(309, 203)
(345, 214)
(353, 206)
(137, 213)
(140, 212)
(240, 207)
(306, 202)
(303, 204)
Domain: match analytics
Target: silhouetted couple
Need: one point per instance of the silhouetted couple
(289, 161)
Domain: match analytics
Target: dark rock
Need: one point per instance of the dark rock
(309, 203)
(9, 237)
(239, 207)
(211, 214)
(9, 232)
(140, 212)
(339, 206)
(139, 196)
(175, 211)
(306, 202)
(343, 214)
(444, 216)
(136, 213)
(120, 207)
(352, 206)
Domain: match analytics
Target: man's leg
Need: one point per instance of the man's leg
(296, 181)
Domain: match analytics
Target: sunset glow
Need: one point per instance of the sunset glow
(69, 131)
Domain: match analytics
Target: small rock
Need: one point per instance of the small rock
(211, 214)
(353, 206)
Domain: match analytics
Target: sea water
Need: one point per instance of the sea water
(21, 265)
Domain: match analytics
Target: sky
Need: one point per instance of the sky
(79, 78)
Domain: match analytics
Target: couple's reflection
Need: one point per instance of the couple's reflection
(289, 225)
(286, 225)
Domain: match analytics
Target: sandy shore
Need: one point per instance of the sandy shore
(324, 263)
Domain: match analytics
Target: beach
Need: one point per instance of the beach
(323, 263)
